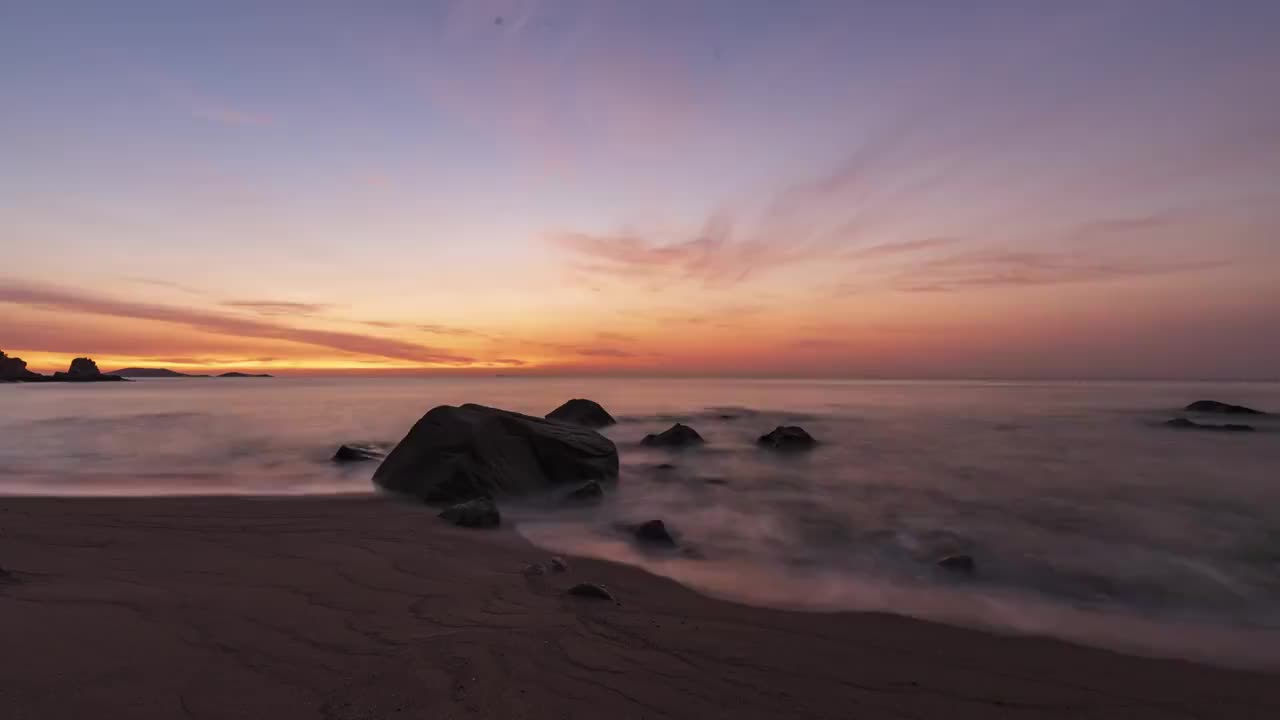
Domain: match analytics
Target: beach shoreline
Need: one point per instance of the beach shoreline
(367, 607)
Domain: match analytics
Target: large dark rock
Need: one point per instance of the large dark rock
(477, 513)
(83, 369)
(586, 413)
(654, 532)
(1185, 424)
(356, 453)
(1213, 406)
(787, 437)
(460, 453)
(678, 435)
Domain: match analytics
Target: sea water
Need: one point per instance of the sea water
(1087, 518)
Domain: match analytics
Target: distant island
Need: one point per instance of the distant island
(167, 373)
(137, 372)
(83, 369)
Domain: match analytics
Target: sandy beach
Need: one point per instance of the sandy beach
(365, 607)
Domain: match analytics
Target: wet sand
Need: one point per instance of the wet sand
(363, 607)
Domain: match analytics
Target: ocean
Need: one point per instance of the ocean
(1088, 519)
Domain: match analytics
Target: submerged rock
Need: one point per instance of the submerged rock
(586, 413)
(1213, 406)
(356, 453)
(678, 435)
(591, 590)
(478, 513)
(959, 564)
(459, 453)
(535, 569)
(1185, 424)
(557, 564)
(589, 493)
(653, 532)
(787, 437)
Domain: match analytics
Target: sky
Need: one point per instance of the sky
(739, 188)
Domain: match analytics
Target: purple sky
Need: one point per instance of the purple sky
(843, 188)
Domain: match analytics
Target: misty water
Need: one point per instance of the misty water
(1088, 519)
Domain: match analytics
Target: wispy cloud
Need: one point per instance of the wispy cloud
(278, 307)
(451, 331)
(170, 284)
(886, 250)
(1008, 268)
(230, 116)
(222, 324)
(804, 344)
(605, 352)
(715, 255)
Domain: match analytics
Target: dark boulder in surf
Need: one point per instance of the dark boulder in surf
(356, 453)
(678, 435)
(586, 413)
(962, 564)
(787, 437)
(1213, 406)
(1185, 424)
(592, 492)
(478, 513)
(460, 453)
(653, 532)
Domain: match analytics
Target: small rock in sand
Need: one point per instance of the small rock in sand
(654, 532)
(678, 435)
(478, 513)
(535, 569)
(590, 590)
(664, 466)
(958, 563)
(558, 564)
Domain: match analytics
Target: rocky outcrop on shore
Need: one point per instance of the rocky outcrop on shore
(82, 369)
(455, 454)
(14, 369)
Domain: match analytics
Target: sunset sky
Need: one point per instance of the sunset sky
(841, 189)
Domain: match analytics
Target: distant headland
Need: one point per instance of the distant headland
(83, 369)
